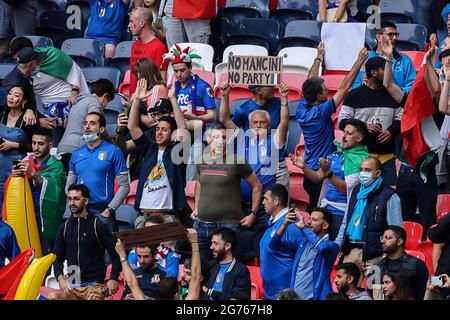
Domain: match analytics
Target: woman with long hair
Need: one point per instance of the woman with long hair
(156, 87)
(15, 136)
(396, 286)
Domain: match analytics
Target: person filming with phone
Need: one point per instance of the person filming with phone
(315, 253)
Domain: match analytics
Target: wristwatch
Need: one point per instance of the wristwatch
(111, 210)
(253, 213)
(123, 259)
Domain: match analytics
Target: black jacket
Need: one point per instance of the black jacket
(236, 283)
(414, 268)
(82, 242)
(375, 220)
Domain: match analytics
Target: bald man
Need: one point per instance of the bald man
(147, 46)
(372, 207)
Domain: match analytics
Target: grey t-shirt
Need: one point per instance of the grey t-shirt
(220, 192)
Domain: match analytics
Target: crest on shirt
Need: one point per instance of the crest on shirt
(102, 155)
(219, 278)
(155, 278)
(209, 92)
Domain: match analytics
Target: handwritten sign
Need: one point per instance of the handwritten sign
(153, 234)
(254, 70)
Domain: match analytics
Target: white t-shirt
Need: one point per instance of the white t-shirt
(157, 193)
(49, 89)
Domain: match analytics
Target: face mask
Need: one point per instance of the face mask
(366, 178)
(91, 137)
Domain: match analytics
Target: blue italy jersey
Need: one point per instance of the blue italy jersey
(318, 130)
(97, 169)
(270, 260)
(107, 19)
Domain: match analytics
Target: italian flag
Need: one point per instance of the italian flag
(60, 65)
(421, 136)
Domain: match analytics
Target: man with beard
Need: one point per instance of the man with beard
(107, 162)
(82, 241)
(148, 273)
(162, 179)
(47, 179)
(229, 279)
(346, 281)
(403, 69)
(397, 260)
(339, 172)
(314, 253)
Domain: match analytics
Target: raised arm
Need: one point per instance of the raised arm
(388, 81)
(181, 133)
(133, 119)
(444, 105)
(196, 267)
(225, 116)
(128, 273)
(350, 78)
(431, 74)
(314, 71)
(284, 116)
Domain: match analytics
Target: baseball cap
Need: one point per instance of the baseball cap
(444, 54)
(375, 63)
(161, 106)
(28, 54)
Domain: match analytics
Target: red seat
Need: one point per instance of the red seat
(253, 262)
(416, 254)
(119, 293)
(427, 249)
(332, 277)
(442, 206)
(416, 57)
(414, 233)
(338, 134)
(333, 81)
(255, 292)
(129, 199)
(207, 76)
(257, 285)
(124, 87)
(189, 191)
(236, 92)
(180, 271)
(294, 82)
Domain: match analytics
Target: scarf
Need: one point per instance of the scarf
(356, 226)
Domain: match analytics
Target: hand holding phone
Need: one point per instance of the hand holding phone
(106, 292)
(437, 281)
(16, 164)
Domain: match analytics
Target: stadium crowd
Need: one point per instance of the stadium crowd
(355, 211)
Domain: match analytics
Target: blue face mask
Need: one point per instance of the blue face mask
(366, 178)
(91, 137)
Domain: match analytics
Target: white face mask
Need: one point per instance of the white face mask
(366, 178)
(91, 137)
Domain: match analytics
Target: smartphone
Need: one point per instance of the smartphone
(127, 98)
(126, 111)
(16, 164)
(106, 292)
(437, 281)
